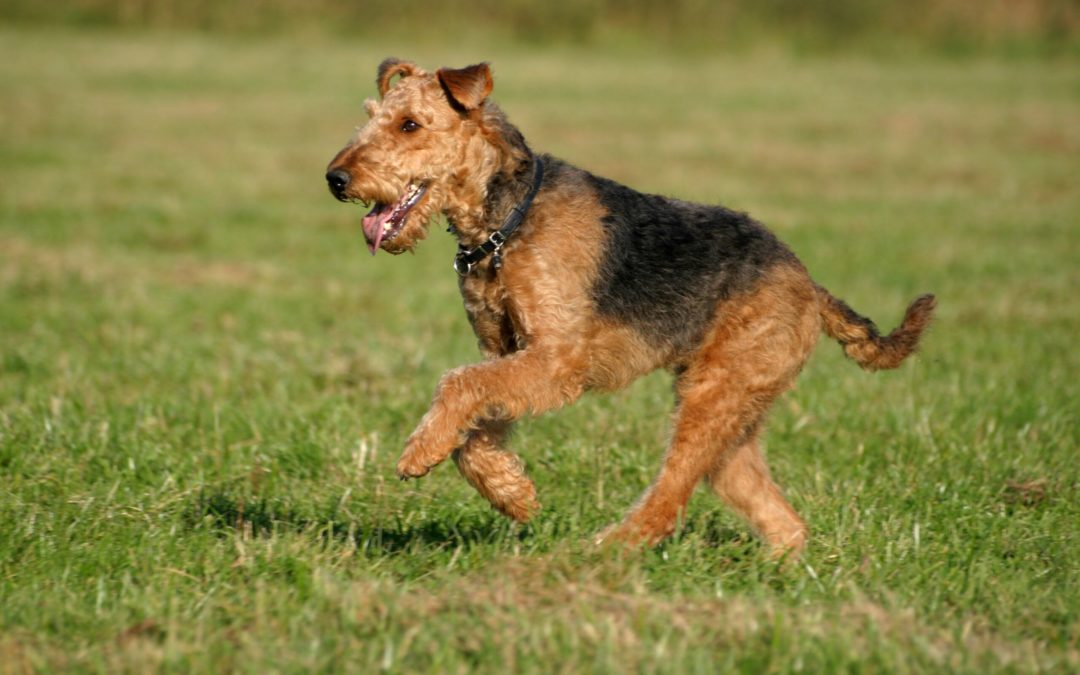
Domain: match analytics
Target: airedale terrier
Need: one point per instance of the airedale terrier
(574, 283)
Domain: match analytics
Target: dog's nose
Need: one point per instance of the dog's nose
(338, 180)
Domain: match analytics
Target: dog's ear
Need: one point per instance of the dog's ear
(468, 87)
(390, 68)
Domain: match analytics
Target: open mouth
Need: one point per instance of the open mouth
(385, 221)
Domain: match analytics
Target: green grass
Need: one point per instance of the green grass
(1005, 27)
(205, 380)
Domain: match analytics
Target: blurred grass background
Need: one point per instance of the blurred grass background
(205, 379)
(946, 26)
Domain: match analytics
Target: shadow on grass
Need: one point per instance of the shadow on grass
(228, 512)
(256, 516)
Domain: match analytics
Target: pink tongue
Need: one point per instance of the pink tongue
(373, 225)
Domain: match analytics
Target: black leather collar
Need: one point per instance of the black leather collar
(466, 259)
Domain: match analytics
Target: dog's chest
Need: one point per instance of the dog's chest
(492, 313)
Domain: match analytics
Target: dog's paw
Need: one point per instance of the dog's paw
(629, 536)
(408, 467)
(520, 509)
(423, 452)
(604, 536)
(620, 536)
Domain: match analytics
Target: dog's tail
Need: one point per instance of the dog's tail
(860, 337)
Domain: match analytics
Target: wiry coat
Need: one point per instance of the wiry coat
(599, 285)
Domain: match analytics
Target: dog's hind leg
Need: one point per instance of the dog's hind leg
(753, 353)
(497, 473)
(741, 478)
(714, 417)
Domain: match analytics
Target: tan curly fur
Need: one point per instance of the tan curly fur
(562, 316)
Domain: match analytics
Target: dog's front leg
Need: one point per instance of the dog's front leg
(497, 473)
(529, 381)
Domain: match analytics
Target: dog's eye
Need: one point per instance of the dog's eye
(409, 126)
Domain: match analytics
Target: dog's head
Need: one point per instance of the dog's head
(427, 148)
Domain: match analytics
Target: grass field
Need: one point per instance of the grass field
(205, 379)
